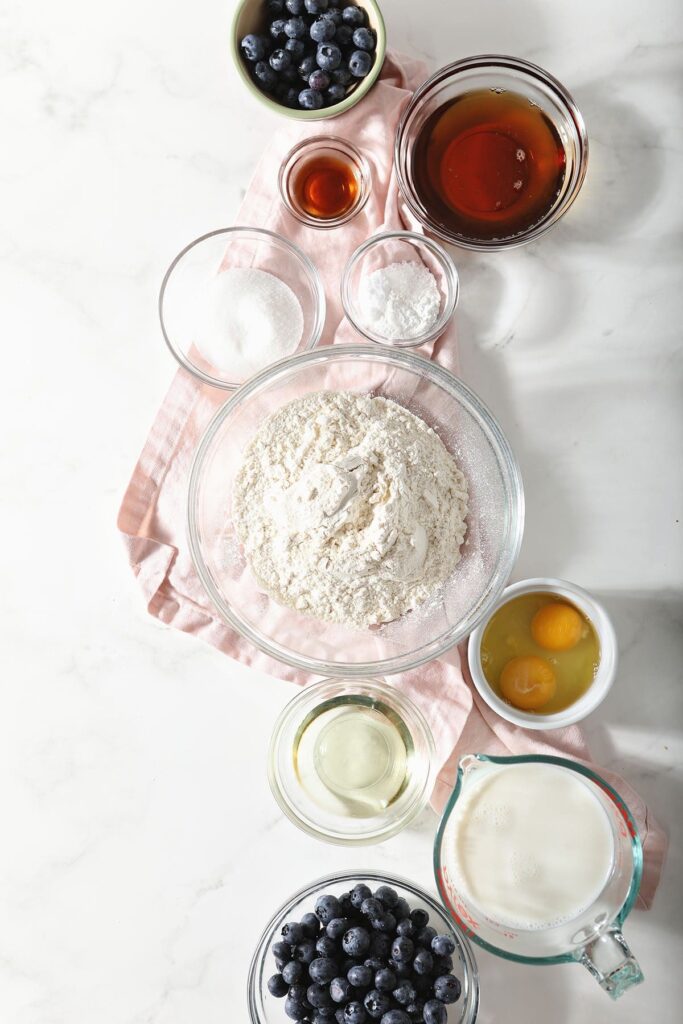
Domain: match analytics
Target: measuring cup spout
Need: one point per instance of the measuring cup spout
(611, 962)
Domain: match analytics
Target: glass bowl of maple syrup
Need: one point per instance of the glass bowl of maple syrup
(490, 152)
(324, 181)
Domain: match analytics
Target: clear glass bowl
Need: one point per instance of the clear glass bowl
(305, 812)
(399, 247)
(266, 1009)
(189, 305)
(495, 518)
(493, 71)
(321, 146)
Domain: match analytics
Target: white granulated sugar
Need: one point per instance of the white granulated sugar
(249, 318)
(349, 508)
(400, 301)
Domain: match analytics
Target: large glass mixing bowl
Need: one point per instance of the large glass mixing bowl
(494, 522)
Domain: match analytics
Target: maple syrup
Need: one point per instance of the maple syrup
(326, 186)
(489, 164)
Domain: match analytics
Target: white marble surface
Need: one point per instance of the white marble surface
(141, 850)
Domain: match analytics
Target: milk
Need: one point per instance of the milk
(529, 845)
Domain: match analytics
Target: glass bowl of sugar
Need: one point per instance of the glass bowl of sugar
(238, 299)
(400, 289)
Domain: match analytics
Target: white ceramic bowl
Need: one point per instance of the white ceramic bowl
(607, 666)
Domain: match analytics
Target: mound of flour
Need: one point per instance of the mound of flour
(349, 508)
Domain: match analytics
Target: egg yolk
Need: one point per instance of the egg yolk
(557, 627)
(528, 682)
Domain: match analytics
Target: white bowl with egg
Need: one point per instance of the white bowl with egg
(351, 761)
(607, 665)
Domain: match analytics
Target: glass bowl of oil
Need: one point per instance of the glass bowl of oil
(266, 1009)
(490, 152)
(324, 181)
(546, 656)
(351, 761)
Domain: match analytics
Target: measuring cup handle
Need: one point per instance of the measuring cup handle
(610, 961)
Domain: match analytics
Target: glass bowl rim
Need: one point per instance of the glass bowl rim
(448, 267)
(471, 971)
(562, 762)
(289, 164)
(499, 63)
(606, 672)
(273, 238)
(412, 717)
(438, 375)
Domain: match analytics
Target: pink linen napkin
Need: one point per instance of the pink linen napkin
(152, 515)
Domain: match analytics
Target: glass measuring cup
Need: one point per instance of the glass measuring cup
(593, 937)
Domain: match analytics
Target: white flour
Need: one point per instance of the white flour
(349, 508)
(400, 301)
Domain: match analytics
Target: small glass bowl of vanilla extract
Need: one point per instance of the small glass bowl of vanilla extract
(324, 181)
(490, 152)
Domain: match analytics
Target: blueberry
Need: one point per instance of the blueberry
(277, 986)
(371, 907)
(425, 937)
(447, 988)
(334, 3)
(279, 60)
(295, 7)
(296, 49)
(323, 970)
(275, 7)
(293, 971)
(329, 57)
(384, 923)
(401, 970)
(295, 28)
(294, 1009)
(281, 951)
(360, 63)
(385, 980)
(339, 1016)
(354, 1013)
(387, 895)
(310, 925)
(323, 1014)
(319, 80)
(405, 993)
(326, 946)
(309, 99)
(340, 990)
(327, 907)
(402, 949)
(405, 927)
(377, 1003)
(306, 68)
(335, 17)
(316, 6)
(401, 910)
(346, 905)
(267, 78)
(254, 47)
(297, 993)
(363, 39)
(342, 76)
(420, 918)
(415, 1010)
(423, 962)
(356, 941)
(434, 1012)
(380, 945)
(354, 16)
(277, 30)
(396, 1017)
(442, 965)
(322, 30)
(359, 892)
(443, 945)
(338, 925)
(305, 951)
(318, 994)
(360, 976)
(375, 963)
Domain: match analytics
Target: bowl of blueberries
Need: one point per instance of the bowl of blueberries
(354, 948)
(308, 59)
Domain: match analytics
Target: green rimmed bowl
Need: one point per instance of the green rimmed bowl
(249, 17)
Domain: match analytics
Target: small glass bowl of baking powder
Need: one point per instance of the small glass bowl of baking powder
(400, 289)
